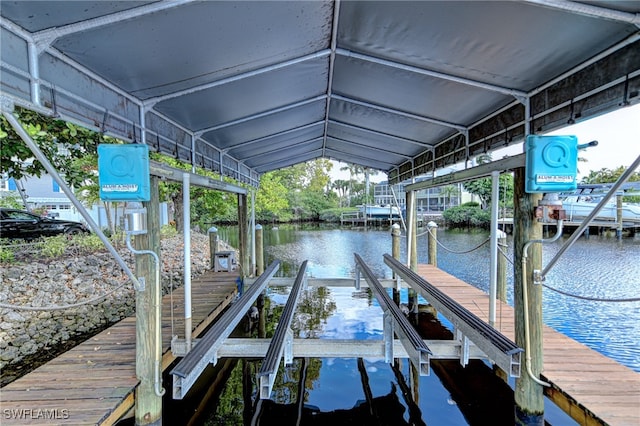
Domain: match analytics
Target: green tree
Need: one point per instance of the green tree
(271, 199)
(605, 175)
(448, 192)
(61, 142)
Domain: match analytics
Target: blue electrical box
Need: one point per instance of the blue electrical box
(551, 163)
(124, 172)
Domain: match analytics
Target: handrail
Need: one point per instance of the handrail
(418, 351)
(500, 349)
(187, 371)
(282, 336)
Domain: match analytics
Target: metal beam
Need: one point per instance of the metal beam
(418, 352)
(260, 115)
(370, 148)
(400, 113)
(482, 170)
(499, 349)
(188, 370)
(504, 90)
(324, 282)
(249, 74)
(342, 348)
(332, 62)
(281, 337)
(386, 135)
(48, 36)
(170, 173)
(359, 159)
(274, 135)
(589, 10)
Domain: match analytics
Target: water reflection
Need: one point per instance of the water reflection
(351, 389)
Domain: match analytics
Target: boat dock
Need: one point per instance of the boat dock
(596, 227)
(590, 387)
(94, 383)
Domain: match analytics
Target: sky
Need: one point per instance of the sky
(617, 133)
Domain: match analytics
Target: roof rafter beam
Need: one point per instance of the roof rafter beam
(272, 165)
(253, 73)
(45, 38)
(397, 138)
(466, 81)
(369, 161)
(400, 113)
(260, 115)
(589, 10)
(370, 148)
(265, 138)
(332, 61)
(285, 148)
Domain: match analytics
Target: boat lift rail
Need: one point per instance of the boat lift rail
(497, 347)
(282, 341)
(395, 321)
(187, 371)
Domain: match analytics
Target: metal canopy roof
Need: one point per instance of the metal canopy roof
(244, 87)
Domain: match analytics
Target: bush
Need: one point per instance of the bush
(88, 242)
(467, 215)
(6, 255)
(54, 246)
(168, 231)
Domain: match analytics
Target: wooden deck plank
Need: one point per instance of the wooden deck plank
(585, 382)
(95, 381)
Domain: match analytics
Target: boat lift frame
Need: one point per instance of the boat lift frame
(187, 371)
(282, 341)
(468, 327)
(395, 321)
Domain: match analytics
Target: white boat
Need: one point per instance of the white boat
(579, 207)
(380, 212)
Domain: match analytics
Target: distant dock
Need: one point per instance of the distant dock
(596, 227)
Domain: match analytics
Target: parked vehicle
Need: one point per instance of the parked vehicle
(22, 224)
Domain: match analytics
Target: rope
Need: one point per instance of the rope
(458, 252)
(594, 299)
(61, 307)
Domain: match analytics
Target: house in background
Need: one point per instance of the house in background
(43, 195)
(431, 200)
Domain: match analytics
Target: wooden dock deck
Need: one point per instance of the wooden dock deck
(590, 387)
(94, 383)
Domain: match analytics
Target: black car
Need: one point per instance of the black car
(22, 224)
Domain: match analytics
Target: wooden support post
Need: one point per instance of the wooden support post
(432, 243)
(148, 406)
(259, 251)
(619, 216)
(529, 396)
(395, 252)
(213, 245)
(243, 235)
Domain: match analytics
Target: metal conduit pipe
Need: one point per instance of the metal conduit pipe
(186, 233)
(67, 191)
(525, 300)
(157, 355)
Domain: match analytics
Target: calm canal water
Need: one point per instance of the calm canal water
(336, 390)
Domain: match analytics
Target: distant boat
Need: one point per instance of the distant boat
(380, 212)
(579, 207)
